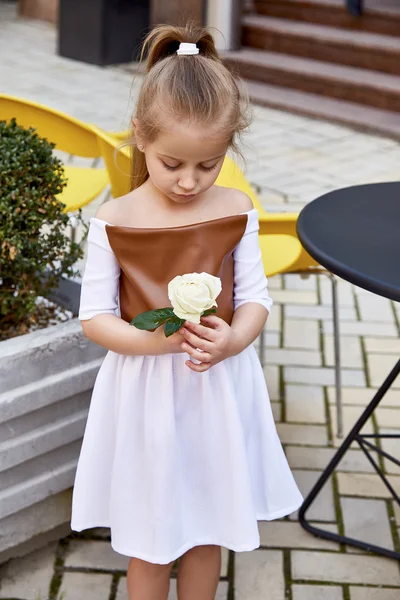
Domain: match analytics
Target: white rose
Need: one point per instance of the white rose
(193, 293)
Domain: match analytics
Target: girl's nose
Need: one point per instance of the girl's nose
(187, 183)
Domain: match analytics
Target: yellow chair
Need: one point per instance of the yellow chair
(69, 135)
(117, 160)
(285, 224)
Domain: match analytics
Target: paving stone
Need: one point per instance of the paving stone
(277, 411)
(362, 396)
(388, 417)
(272, 339)
(87, 586)
(122, 594)
(317, 592)
(379, 366)
(285, 534)
(298, 282)
(304, 403)
(385, 345)
(345, 292)
(300, 457)
(259, 575)
(272, 378)
(323, 508)
(28, 577)
(323, 313)
(275, 283)
(373, 593)
(375, 308)
(338, 567)
(367, 328)
(391, 446)
(350, 353)
(367, 520)
(283, 356)
(350, 416)
(323, 376)
(294, 297)
(369, 486)
(301, 334)
(307, 435)
(274, 319)
(396, 509)
(95, 555)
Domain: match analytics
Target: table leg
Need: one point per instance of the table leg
(355, 435)
(338, 366)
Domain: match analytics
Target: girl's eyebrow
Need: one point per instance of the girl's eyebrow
(179, 160)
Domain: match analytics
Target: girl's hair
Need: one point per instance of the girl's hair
(197, 88)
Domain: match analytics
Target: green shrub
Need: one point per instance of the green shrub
(35, 250)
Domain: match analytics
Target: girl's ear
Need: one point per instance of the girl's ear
(136, 133)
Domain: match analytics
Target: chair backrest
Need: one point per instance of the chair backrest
(67, 133)
(231, 176)
(117, 161)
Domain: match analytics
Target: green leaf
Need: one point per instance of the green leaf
(210, 311)
(172, 325)
(152, 319)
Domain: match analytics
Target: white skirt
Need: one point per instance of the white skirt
(173, 459)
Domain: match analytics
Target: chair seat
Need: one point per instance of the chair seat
(279, 252)
(84, 184)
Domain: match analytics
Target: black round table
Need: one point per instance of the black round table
(355, 233)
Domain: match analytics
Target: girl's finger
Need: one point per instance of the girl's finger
(196, 341)
(204, 332)
(199, 368)
(212, 320)
(195, 353)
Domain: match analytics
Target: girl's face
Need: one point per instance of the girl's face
(184, 161)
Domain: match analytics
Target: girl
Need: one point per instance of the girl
(180, 456)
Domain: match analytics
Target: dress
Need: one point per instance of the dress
(171, 458)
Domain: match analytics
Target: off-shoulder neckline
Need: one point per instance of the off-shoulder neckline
(248, 212)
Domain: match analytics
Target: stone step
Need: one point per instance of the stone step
(41, 441)
(34, 481)
(379, 16)
(371, 88)
(23, 400)
(320, 42)
(362, 118)
(30, 358)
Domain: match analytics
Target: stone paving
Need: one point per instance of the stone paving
(290, 161)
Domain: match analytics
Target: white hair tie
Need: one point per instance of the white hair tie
(185, 49)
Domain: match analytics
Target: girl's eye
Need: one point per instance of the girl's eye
(210, 168)
(169, 168)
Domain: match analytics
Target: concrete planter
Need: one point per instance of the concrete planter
(46, 383)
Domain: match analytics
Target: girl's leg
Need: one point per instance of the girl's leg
(147, 581)
(199, 572)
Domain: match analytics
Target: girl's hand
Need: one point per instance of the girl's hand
(167, 345)
(217, 340)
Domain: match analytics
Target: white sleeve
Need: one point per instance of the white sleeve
(250, 282)
(100, 283)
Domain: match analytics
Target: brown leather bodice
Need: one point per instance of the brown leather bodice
(150, 258)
